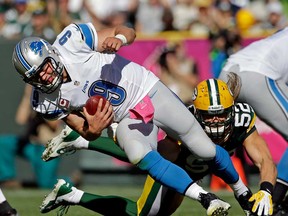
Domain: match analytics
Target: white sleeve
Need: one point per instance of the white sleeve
(47, 107)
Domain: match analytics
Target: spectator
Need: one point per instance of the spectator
(13, 19)
(223, 44)
(111, 13)
(276, 19)
(184, 13)
(39, 26)
(23, 15)
(245, 21)
(218, 54)
(224, 17)
(178, 71)
(29, 146)
(205, 21)
(149, 17)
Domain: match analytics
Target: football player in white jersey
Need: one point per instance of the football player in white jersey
(263, 69)
(81, 63)
(230, 125)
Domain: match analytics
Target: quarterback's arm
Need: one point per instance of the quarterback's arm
(259, 153)
(88, 126)
(111, 39)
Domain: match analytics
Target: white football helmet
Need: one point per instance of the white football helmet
(30, 55)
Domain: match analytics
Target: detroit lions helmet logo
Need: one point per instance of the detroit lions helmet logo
(37, 46)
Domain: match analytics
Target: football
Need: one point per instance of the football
(92, 104)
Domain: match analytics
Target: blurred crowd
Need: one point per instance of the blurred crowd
(46, 18)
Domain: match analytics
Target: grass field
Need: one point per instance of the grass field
(27, 201)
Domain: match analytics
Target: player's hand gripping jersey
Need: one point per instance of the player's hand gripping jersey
(119, 80)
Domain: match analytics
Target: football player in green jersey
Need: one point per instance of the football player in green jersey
(227, 123)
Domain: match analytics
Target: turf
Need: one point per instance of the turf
(27, 201)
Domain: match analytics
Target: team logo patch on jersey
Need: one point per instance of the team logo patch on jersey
(37, 47)
(64, 103)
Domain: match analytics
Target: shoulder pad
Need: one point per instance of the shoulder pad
(87, 34)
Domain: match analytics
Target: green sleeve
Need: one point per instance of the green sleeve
(107, 146)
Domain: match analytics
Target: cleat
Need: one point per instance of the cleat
(61, 144)
(243, 201)
(281, 209)
(7, 210)
(57, 197)
(214, 205)
(11, 212)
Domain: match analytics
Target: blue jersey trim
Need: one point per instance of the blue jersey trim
(87, 35)
(282, 101)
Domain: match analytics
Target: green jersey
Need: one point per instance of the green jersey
(244, 125)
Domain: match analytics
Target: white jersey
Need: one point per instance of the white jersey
(267, 57)
(119, 80)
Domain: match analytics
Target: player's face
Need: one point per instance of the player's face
(217, 127)
(215, 118)
(46, 74)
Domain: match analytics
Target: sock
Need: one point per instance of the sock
(194, 191)
(239, 187)
(74, 196)
(166, 172)
(222, 166)
(79, 141)
(109, 205)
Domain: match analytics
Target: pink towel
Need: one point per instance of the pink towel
(144, 110)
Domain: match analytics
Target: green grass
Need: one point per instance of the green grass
(27, 201)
